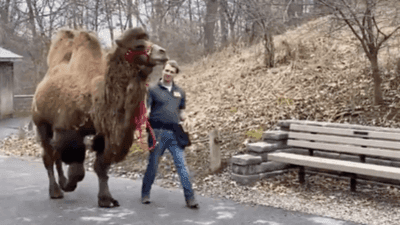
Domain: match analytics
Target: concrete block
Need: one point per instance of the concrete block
(246, 159)
(281, 144)
(272, 166)
(261, 147)
(264, 156)
(245, 179)
(245, 170)
(275, 135)
(284, 123)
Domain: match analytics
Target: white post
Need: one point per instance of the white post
(215, 151)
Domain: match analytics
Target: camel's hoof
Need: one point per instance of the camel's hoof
(107, 202)
(70, 188)
(56, 193)
(62, 182)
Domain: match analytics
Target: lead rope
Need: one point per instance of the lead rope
(142, 119)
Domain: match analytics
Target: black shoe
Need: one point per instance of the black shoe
(146, 200)
(192, 203)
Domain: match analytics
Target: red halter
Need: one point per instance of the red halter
(130, 54)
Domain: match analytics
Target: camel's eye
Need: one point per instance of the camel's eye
(140, 47)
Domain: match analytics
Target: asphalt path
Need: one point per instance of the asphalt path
(24, 199)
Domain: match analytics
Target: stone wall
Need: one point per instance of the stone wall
(22, 103)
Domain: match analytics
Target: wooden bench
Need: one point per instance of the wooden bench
(363, 141)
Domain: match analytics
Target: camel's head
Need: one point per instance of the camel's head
(139, 49)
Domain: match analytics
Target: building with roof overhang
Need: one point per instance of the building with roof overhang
(7, 59)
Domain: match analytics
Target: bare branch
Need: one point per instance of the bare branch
(387, 37)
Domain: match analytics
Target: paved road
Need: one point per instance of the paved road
(24, 200)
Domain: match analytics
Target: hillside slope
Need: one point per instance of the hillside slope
(317, 77)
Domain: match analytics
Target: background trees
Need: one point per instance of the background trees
(187, 28)
(369, 21)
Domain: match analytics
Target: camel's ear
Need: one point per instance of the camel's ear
(119, 43)
(69, 34)
(86, 36)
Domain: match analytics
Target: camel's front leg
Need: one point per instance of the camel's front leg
(54, 189)
(104, 197)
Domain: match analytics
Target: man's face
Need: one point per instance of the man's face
(168, 73)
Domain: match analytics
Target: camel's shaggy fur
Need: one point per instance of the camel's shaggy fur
(93, 93)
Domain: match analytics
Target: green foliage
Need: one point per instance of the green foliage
(234, 109)
(256, 134)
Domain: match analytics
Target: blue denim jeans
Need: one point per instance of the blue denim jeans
(166, 140)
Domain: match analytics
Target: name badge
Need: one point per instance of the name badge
(177, 94)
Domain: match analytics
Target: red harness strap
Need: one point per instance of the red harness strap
(139, 119)
(130, 54)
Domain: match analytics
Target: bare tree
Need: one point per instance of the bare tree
(210, 19)
(224, 30)
(232, 11)
(365, 18)
(263, 20)
(109, 14)
(31, 18)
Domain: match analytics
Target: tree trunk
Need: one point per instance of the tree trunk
(269, 54)
(212, 9)
(129, 13)
(109, 20)
(121, 22)
(190, 12)
(232, 30)
(31, 19)
(378, 98)
(96, 15)
(224, 30)
(51, 20)
(199, 16)
(4, 12)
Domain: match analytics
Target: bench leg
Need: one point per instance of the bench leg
(302, 175)
(353, 183)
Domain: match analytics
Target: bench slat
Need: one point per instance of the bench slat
(346, 132)
(338, 165)
(345, 140)
(337, 125)
(344, 148)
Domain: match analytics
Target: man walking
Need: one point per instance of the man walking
(166, 102)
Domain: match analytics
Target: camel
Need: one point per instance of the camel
(96, 94)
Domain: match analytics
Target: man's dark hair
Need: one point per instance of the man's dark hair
(172, 63)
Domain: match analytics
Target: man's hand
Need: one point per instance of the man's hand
(182, 115)
(143, 141)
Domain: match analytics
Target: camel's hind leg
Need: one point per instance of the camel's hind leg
(62, 180)
(101, 167)
(48, 156)
(69, 146)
